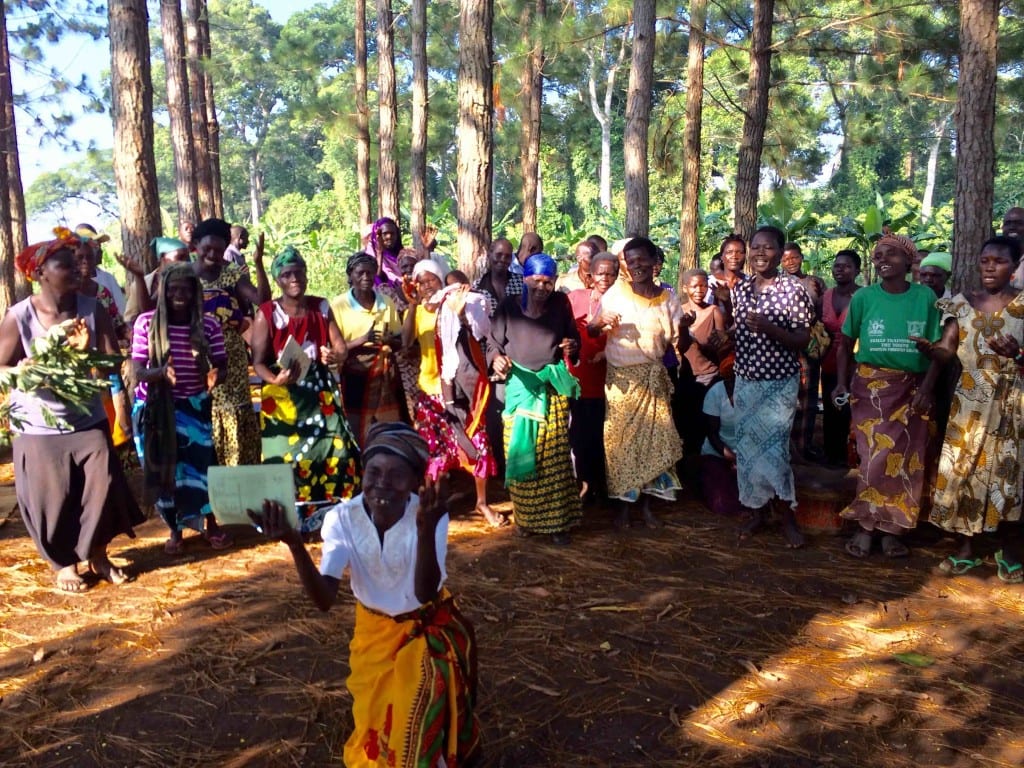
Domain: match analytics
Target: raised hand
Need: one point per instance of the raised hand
(272, 521)
(431, 508)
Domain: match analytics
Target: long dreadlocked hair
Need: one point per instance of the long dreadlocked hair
(159, 337)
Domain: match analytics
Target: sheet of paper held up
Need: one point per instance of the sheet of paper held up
(233, 490)
(292, 351)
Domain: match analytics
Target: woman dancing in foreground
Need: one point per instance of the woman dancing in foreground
(413, 655)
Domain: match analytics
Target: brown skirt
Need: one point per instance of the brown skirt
(73, 494)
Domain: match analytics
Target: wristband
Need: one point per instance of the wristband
(116, 383)
(1019, 358)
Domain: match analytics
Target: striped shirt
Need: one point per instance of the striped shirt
(188, 382)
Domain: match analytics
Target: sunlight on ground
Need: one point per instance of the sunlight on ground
(890, 666)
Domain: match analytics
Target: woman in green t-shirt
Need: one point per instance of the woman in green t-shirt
(888, 402)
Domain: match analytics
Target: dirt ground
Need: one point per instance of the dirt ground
(671, 648)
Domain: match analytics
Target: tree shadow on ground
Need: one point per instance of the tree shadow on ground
(667, 648)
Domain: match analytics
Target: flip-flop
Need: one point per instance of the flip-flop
(220, 540)
(859, 545)
(893, 547)
(1008, 571)
(958, 566)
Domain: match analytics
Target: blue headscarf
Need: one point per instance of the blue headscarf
(538, 264)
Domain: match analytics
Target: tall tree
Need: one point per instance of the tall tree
(418, 153)
(755, 118)
(602, 57)
(210, 108)
(195, 10)
(131, 92)
(362, 118)
(533, 23)
(172, 31)
(638, 113)
(475, 132)
(387, 105)
(13, 214)
(975, 139)
(7, 253)
(250, 75)
(688, 248)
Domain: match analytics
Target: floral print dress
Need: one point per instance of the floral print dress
(304, 424)
(236, 428)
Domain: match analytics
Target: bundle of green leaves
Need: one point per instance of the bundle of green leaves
(62, 364)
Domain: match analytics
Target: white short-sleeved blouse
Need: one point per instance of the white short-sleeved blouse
(383, 577)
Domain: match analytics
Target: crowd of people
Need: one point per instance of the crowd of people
(598, 386)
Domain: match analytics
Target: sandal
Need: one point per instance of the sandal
(109, 572)
(174, 547)
(958, 566)
(859, 545)
(893, 547)
(220, 540)
(1009, 570)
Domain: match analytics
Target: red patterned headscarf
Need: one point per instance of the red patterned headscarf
(33, 257)
(902, 243)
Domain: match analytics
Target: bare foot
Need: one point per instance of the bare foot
(621, 519)
(68, 580)
(651, 520)
(753, 524)
(794, 538)
(494, 519)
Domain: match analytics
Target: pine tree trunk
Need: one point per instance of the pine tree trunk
(194, 10)
(689, 253)
(212, 125)
(975, 138)
(362, 119)
(533, 102)
(418, 151)
(172, 30)
(387, 166)
(748, 169)
(638, 115)
(14, 219)
(132, 113)
(8, 294)
(475, 134)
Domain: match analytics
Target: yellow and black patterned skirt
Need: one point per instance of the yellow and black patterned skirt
(549, 502)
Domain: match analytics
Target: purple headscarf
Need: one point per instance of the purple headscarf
(387, 259)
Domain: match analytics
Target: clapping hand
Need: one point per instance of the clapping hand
(169, 373)
(78, 334)
(1004, 346)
